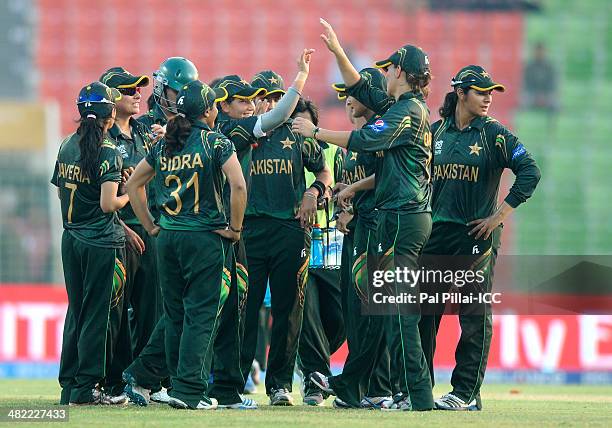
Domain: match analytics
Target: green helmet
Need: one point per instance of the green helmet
(173, 73)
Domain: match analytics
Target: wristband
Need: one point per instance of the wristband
(234, 230)
(310, 194)
(315, 132)
(319, 186)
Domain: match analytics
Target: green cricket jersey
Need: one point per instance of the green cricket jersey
(403, 139)
(80, 194)
(133, 148)
(338, 164)
(468, 165)
(277, 172)
(190, 182)
(358, 166)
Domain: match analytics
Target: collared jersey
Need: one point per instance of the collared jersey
(189, 182)
(468, 165)
(132, 148)
(402, 137)
(277, 173)
(80, 194)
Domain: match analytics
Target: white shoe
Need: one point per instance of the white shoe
(322, 382)
(281, 397)
(400, 403)
(376, 402)
(452, 402)
(245, 404)
(160, 396)
(118, 400)
(210, 404)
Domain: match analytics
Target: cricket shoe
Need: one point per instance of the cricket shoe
(313, 398)
(160, 396)
(281, 397)
(452, 402)
(204, 404)
(245, 404)
(118, 400)
(322, 382)
(137, 394)
(400, 403)
(340, 404)
(376, 402)
(98, 397)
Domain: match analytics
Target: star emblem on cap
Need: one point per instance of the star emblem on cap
(353, 156)
(484, 74)
(475, 149)
(287, 143)
(273, 80)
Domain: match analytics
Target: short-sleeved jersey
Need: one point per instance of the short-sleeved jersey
(80, 194)
(277, 172)
(189, 182)
(402, 136)
(468, 165)
(132, 148)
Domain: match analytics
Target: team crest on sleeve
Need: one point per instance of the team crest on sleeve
(378, 126)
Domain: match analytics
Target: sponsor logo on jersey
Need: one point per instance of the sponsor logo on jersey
(123, 151)
(438, 147)
(475, 250)
(519, 150)
(378, 126)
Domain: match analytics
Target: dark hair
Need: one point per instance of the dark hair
(91, 133)
(450, 103)
(307, 106)
(151, 102)
(419, 81)
(177, 131)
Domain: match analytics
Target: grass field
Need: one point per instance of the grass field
(505, 405)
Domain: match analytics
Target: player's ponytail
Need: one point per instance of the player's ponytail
(419, 81)
(91, 133)
(449, 105)
(177, 131)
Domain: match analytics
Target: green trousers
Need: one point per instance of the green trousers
(228, 380)
(323, 325)
(94, 280)
(195, 278)
(400, 240)
(450, 247)
(145, 299)
(277, 250)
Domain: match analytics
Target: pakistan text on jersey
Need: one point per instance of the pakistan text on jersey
(350, 177)
(72, 172)
(272, 166)
(188, 161)
(454, 171)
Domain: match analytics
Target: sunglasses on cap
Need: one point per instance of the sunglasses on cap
(130, 92)
(93, 98)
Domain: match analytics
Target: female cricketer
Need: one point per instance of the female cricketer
(237, 122)
(194, 243)
(87, 175)
(278, 219)
(471, 150)
(402, 195)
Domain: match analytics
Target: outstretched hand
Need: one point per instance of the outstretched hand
(329, 37)
(303, 126)
(303, 61)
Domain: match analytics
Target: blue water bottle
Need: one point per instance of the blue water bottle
(316, 248)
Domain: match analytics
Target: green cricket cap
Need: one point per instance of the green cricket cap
(119, 77)
(97, 99)
(475, 77)
(196, 97)
(270, 81)
(410, 58)
(237, 87)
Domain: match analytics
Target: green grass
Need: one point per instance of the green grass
(505, 405)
